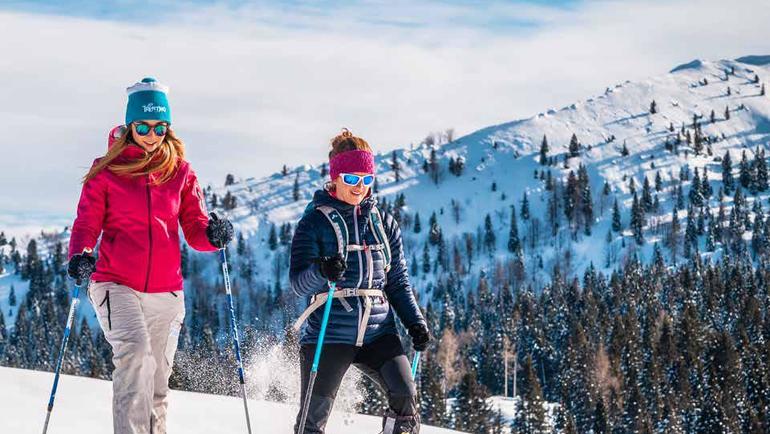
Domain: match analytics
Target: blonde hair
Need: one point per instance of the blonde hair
(163, 161)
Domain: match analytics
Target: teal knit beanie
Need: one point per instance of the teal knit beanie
(147, 100)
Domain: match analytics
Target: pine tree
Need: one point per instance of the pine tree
(214, 202)
(637, 220)
(530, 419)
(601, 424)
(574, 146)
(713, 117)
(514, 243)
(672, 240)
(586, 200)
(395, 165)
(705, 186)
(229, 179)
(425, 259)
(695, 194)
(432, 396)
(624, 151)
(273, 238)
(690, 234)
(525, 207)
(658, 182)
(544, 151)
(760, 165)
(489, 234)
(653, 107)
(727, 173)
(433, 166)
(744, 172)
(616, 223)
(12, 297)
(577, 380)
(646, 195)
(459, 166)
(472, 413)
(727, 113)
(710, 238)
(417, 225)
(442, 255)
(295, 189)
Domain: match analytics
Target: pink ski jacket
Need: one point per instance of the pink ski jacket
(139, 226)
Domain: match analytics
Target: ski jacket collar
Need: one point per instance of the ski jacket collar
(324, 198)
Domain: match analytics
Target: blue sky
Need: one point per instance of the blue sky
(518, 17)
(255, 85)
(166, 9)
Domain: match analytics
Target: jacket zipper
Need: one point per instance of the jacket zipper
(149, 235)
(356, 210)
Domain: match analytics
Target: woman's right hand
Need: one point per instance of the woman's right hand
(332, 267)
(81, 266)
(219, 231)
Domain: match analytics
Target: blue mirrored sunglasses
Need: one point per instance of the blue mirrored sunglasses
(353, 180)
(143, 129)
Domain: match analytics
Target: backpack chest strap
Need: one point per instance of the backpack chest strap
(318, 300)
(365, 247)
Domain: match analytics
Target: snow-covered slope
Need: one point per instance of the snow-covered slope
(507, 155)
(83, 405)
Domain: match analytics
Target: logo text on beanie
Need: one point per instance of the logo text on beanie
(150, 108)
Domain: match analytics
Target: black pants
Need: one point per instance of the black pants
(383, 361)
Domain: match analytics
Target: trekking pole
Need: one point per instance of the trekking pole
(317, 358)
(415, 363)
(236, 341)
(62, 349)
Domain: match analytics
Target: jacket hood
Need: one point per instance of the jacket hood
(132, 152)
(114, 135)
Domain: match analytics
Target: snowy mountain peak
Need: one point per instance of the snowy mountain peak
(629, 132)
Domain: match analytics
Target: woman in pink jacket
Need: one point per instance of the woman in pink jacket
(135, 197)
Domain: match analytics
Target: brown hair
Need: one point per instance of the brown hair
(164, 160)
(346, 141)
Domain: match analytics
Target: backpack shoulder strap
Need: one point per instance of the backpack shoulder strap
(339, 226)
(379, 232)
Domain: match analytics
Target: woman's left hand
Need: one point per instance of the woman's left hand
(219, 231)
(420, 336)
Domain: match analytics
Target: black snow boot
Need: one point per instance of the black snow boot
(395, 424)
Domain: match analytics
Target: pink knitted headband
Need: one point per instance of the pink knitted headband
(355, 161)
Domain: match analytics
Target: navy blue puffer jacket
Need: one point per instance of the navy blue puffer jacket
(314, 237)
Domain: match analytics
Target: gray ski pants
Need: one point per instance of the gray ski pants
(143, 330)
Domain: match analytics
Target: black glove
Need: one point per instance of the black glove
(219, 231)
(420, 336)
(332, 267)
(81, 266)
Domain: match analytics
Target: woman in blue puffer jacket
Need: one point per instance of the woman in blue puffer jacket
(344, 238)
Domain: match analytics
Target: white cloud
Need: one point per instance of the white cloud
(253, 88)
